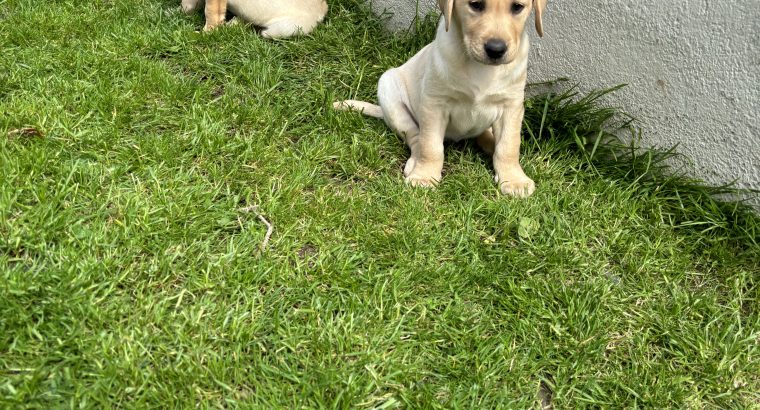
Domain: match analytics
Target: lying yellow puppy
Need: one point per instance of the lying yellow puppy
(279, 18)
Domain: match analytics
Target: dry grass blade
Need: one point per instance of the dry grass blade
(270, 228)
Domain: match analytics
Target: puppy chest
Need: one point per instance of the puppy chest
(470, 120)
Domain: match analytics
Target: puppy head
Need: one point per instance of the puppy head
(492, 29)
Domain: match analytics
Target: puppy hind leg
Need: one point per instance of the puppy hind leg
(398, 118)
(487, 142)
(216, 12)
(393, 99)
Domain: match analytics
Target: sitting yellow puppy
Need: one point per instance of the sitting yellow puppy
(468, 83)
(279, 18)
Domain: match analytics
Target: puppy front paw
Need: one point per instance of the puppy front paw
(518, 187)
(422, 181)
(417, 175)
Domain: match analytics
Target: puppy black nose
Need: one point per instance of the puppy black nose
(495, 49)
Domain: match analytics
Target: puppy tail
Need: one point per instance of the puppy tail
(365, 108)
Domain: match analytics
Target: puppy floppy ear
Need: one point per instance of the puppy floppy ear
(447, 7)
(539, 6)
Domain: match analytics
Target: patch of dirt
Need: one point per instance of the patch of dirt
(308, 254)
(25, 132)
(545, 396)
(218, 92)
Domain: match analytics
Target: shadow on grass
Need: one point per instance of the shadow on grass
(609, 143)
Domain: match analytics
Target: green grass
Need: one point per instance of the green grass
(131, 274)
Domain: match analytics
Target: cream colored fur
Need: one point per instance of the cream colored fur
(278, 18)
(453, 89)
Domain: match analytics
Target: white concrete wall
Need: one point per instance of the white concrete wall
(693, 69)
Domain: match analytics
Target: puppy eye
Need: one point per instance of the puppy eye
(517, 8)
(478, 5)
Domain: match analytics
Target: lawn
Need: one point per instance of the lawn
(142, 164)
